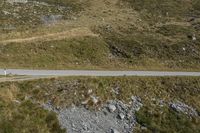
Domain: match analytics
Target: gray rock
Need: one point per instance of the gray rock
(121, 116)
(6, 12)
(17, 101)
(94, 99)
(182, 107)
(51, 19)
(116, 90)
(79, 119)
(17, 1)
(111, 108)
(114, 131)
(143, 128)
(88, 121)
(194, 38)
(89, 91)
(85, 102)
(136, 103)
(27, 97)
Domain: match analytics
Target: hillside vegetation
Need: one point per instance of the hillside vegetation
(21, 102)
(130, 34)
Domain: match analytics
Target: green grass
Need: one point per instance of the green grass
(154, 8)
(164, 119)
(196, 5)
(158, 48)
(24, 116)
(185, 89)
(139, 52)
(175, 30)
(87, 52)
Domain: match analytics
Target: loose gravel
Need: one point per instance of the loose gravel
(81, 120)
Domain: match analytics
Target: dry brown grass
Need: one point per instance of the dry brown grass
(144, 39)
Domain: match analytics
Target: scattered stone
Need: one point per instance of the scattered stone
(17, 1)
(57, 108)
(89, 91)
(194, 38)
(108, 28)
(85, 102)
(51, 19)
(114, 131)
(111, 108)
(121, 116)
(27, 97)
(182, 107)
(161, 103)
(136, 103)
(143, 128)
(48, 106)
(74, 18)
(94, 99)
(17, 101)
(116, 90)
(79, 119)
(6, 12)
(46, 94)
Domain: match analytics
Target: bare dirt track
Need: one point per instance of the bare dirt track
(76, 32)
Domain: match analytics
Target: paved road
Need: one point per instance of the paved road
(95, 73)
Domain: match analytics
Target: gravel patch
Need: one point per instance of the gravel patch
(51, 19)
(119, 119)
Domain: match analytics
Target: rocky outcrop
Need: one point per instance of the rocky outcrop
(183, 108)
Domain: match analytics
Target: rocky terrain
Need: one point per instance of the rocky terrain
(110, 105)
(115, 117)
(100, 35)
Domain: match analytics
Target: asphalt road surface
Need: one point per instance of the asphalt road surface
(94, 73)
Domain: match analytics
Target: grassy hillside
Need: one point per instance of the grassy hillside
(87, 52)
(23, 115)
(132, 34)
(20, 103)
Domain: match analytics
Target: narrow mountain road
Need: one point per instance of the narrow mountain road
(94, 73)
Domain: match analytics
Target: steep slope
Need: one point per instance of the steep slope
(131, 34)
